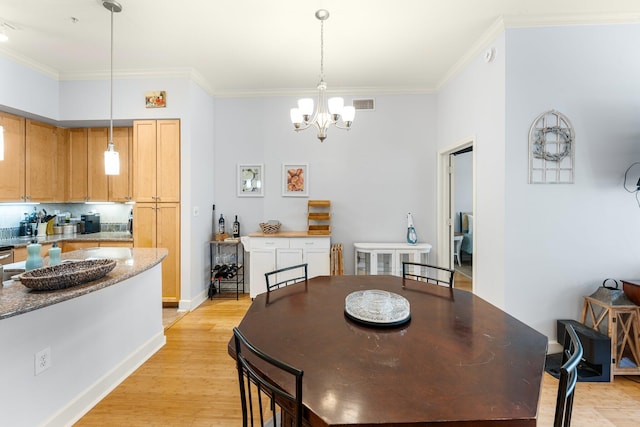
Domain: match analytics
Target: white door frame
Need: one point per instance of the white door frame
(445, 215)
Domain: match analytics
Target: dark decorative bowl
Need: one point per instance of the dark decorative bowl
(632, 290)
(66, 275)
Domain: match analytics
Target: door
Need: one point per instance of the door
(144, 161)
(168, 236)
(41, 162)
(120, 186)
(144, 225)
(77, 170)
(168, 161)
(98, 183)
(318, 261)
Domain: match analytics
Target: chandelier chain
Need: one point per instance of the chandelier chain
(322, 50)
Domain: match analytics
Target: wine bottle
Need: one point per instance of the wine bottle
(412, 236)
(236, 227)
(221, 225)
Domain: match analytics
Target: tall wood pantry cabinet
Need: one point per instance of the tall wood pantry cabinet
(156, 190)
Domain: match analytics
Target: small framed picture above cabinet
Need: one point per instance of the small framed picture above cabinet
(250, 181)
(295, 180)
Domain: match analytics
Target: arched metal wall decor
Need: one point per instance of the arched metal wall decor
(551, 149)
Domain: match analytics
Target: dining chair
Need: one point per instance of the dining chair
(286, 276)
(571, 357)
(427, 273)
(259, 395)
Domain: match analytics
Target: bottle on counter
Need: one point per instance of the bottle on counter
(34, 259)
(54, 254)
(236, 227)
(412, 236)
(221, 225)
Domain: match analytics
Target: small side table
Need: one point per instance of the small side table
(621, 323)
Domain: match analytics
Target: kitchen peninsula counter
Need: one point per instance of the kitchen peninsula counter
(92, 337)
(16, 299)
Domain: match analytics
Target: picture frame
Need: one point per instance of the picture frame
(250, 180)
(295, 180)
(155, 99)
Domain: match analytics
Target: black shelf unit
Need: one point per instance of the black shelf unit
(227, 268)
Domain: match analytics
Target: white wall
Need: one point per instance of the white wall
(374, 174)
(563, 240)
(472, 106)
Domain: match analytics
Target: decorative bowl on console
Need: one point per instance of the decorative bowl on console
(67, 274)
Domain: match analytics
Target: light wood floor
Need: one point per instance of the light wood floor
(192, 381)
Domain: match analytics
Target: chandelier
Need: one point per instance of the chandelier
(331, 112)
(111, 156)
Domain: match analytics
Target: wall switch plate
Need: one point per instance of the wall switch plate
(42, 360)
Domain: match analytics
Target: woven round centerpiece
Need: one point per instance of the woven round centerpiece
(66, 275)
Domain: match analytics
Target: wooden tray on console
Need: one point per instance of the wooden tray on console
(66, 275)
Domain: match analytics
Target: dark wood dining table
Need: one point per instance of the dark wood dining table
(458, 361)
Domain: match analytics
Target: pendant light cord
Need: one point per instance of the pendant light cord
(322, 50)
(111, 89)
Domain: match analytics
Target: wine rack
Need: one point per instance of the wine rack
(227, 268)
(319, 217)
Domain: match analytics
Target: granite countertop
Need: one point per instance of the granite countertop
(121, 236)
(17, 299)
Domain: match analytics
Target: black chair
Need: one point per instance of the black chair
(285, 407)
(427, 273)
(571, 357)
(286, 276)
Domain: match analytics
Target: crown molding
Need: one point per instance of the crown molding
(30, 63)
(517, 21)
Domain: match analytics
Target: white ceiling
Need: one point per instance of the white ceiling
(248, 47)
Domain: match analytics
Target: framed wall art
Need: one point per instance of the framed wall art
(250, 181)
(155, 99)
(295, 180)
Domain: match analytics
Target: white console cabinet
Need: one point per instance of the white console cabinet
(271, 252)
(387, 258)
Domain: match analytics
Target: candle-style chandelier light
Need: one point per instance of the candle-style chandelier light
(331, 112)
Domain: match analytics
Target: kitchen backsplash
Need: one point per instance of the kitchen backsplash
(113, 217)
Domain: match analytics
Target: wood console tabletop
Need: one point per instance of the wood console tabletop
(458, 361)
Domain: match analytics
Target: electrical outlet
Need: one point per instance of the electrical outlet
(42, 360)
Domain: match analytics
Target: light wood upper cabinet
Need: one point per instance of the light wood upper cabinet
(156, 159)
(168, 161)
(12, 184)
(77, 171)
(121, 186)
(98, 184)
(41, 164)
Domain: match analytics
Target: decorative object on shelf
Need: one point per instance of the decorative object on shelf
(111, 156)
(295, 180)
(271, 227)
(67, 274)
(329, 112)
(319, 217)
(250, 180)
(551, 149)
(155, 99)
(412, 236)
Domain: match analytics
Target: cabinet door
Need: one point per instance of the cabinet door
(319, 263)
(41, 162)
(263, 260)
(144, 160)
(168, 161)
(12, 168)
(71, 245)
(98, 190)
(144, 225)
(77, 167)
(120, 188)
(287, 258)
(168, 236)
(385, 262)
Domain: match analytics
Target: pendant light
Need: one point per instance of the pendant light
(329, 112)
(111, 156)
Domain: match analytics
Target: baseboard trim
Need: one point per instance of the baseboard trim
(83, 403)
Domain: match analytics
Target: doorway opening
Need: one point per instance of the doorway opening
(456, 219)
